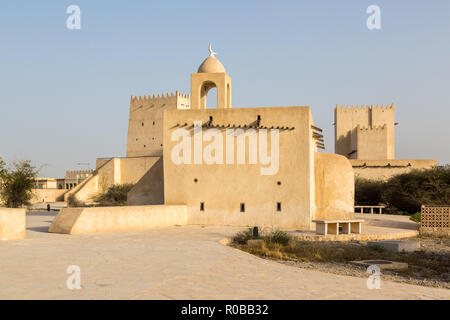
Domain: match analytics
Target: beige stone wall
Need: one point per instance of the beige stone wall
(150, 188)
(12, 224)
(48, 195)
(86, 186)
(88, 190)
(384, 169)
(133, 169)
(373, 142)
(113, 219)
(145, 130)
(113, 171)
(335, 187)
(99, 162)
(347, 135)
(109, 174)
(222, 188)
(46, 183)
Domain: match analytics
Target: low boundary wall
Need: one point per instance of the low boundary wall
(112, 219)
(12, 224)
(47, 195)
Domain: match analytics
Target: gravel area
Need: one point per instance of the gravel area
(432, 249)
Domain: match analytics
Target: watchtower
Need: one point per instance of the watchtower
(365, 132)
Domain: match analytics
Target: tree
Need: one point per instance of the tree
(368, 192)
(408, 191)
(17, 182)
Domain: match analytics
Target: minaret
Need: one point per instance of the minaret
(210, 74)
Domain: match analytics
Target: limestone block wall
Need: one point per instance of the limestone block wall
(215, 193)
(374, 143)
(384, 169)
(145, 127)
(12, 224)
(335, 187)
(113, 219)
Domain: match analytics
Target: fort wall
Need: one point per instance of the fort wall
(145, 127)
(385, 169)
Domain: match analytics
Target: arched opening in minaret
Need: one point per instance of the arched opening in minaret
(211, 99)
(212, 102)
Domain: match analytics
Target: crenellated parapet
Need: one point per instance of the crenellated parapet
(364, 108)
(75, 172)
(372, 128)
(356, 125)
(159, 100)
(145, 126)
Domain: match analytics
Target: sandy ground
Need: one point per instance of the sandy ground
(170, 263)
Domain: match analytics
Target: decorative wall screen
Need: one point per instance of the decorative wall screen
(435, 219)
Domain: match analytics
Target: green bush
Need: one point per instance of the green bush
(368, 192)
(116, 195)
(407, 192)
(17, 182)
(243, 236)
(415, 217)
(278, 236)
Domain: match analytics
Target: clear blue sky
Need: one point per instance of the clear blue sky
(65, 94)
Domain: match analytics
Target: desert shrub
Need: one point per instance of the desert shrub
(368, 192)
(277, 236)
(243, 236)
(408, 191)
(116, 195)
(415, 217)
(17, 182)
(73, 201)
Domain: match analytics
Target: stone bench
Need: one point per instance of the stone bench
(325, 227)
(361, 209)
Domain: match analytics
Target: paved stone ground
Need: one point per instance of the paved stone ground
(171, 263)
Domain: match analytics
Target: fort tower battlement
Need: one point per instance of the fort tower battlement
(145, 131)
(365, 132)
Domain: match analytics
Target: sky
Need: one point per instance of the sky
(65, 94)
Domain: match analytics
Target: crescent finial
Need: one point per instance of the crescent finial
(211, 52)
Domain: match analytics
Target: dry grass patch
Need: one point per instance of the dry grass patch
(432, 262)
